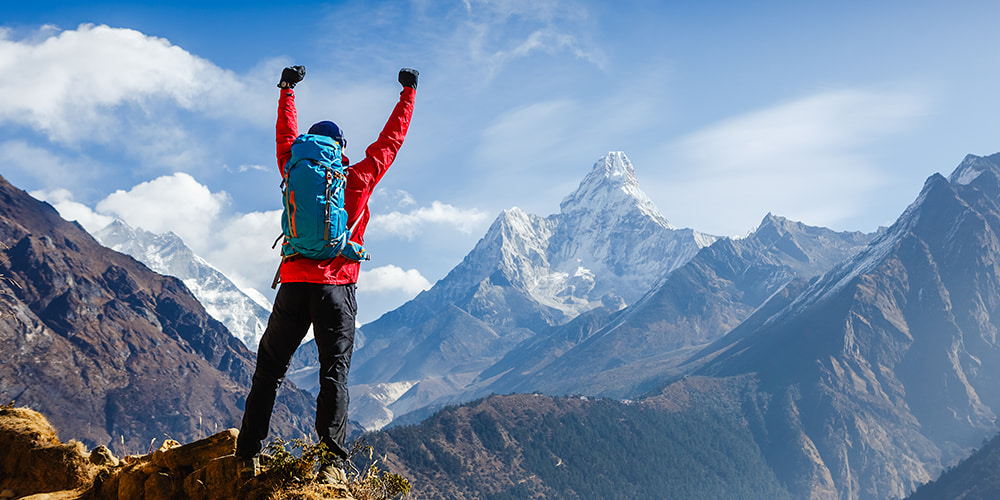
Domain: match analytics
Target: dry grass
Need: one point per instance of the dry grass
(268, 490)
(34, 460)
(289, 475)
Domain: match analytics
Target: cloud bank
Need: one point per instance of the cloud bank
(70, 85)
(409, 225)
(239, 244)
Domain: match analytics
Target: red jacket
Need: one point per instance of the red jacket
(361, 180)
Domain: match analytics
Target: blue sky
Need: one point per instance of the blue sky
(830, 113)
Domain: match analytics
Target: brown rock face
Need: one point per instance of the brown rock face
(111, 352)
(199, 453)
(37, 466)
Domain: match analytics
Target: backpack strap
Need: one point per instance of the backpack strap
(345, 238)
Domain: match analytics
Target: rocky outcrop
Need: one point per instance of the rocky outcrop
(37, 465)
(34, 460)
(201, 470)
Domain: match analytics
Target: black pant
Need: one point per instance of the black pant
(331, 310)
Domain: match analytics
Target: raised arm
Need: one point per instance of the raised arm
(365, 174)
(287, 127)
(381, 153)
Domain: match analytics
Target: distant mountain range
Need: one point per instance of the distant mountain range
(628, 353)
(540, 303)
(606, 247)
(862, 382)
(109, 351)
(839, 364)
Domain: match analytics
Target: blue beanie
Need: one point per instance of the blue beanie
(330, 130)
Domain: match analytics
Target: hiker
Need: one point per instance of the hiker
(320, 292)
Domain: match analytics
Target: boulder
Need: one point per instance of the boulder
(194, 485)
(157, 456)
(163, 486)
(222, 477)
(199, 453)
(101, 456)
(132, 482)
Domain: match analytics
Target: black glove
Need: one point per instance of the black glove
(408, 77)
(291, 75)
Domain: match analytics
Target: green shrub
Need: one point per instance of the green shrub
(294, 464)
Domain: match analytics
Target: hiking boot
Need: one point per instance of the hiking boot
(249, 467)
(332, 473)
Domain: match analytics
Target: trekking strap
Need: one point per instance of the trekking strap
(346, 237)
(277, 275)
(329, 201)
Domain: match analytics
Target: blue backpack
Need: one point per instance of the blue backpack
(314, 222)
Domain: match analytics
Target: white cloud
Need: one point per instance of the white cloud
(807, 159)
(175, 203)
(410, 224)
(75, 85)
(246, 168)
(548, 41)
(538, 131)
(392, 278)
(392, 197)
(824, 123)
(237, 244)
(242, 248)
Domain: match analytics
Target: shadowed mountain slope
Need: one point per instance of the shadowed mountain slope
(886, 369)
(632, 351)
(107, 348)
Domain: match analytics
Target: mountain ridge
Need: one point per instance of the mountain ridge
(625, 353)
(888, 360)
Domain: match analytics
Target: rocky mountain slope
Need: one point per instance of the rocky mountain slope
(884, 371)
(244, 315)
(626, 354)
(112, 352)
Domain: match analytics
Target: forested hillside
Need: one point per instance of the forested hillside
(521, 446)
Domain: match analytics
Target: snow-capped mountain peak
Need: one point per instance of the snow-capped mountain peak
(978, 172)
(609, 240)
(606, 247)
(612, 186)
(243, 312)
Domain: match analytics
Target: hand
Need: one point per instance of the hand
(408, 77)
(291, 75)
